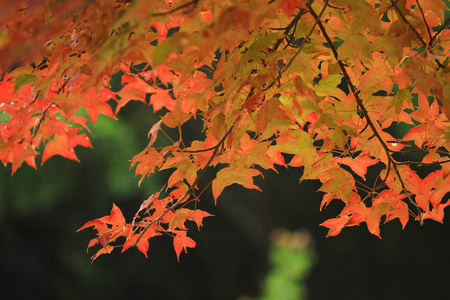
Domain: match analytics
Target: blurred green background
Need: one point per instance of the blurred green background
(265, 245)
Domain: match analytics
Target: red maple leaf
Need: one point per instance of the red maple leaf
(181, 242)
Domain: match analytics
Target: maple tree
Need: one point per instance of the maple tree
(335, 87)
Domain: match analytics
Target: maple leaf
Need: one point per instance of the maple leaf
(19, 154)
(153, 133)
(116, 217)
(228, 176)
(133, 90)
(338, 184)
(64, 145)
(177, 117)
(181, 242)
(335, 225)
(437, 213)
(374, 214)
(183, 214)
(107, 234)
(141, 239)
(401, 211)
(148, 160)
(97, 104)
(105, 250)
(299, 143)
(358, 165)
(145, 204)
(276, 156)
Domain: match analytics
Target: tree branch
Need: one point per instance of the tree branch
(41, 119)
(193, 2)
(400, 13)
(289, 27)
(300, 47)
(365, 112)
(424, 20)
(435, 36)
(431, 43)
(417, 163)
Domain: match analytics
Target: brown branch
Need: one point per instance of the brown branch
(300, 47)
(407, 151)
(436, 35)
(288, 28)
(365, 112)
(278, 28)
(430, 44)
(35, 97)
(193, 2)
(418, 151)
(41, 119)
(200, 151)
(400, 13)
(66, 80)
(424, 20)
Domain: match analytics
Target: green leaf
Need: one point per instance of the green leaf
(299, 143)
(228, 176)
(164, 49)
(328, 85)
(24, 79)
(397, 102)
(339, 185)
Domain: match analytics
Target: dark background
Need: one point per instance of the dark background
(42, 255)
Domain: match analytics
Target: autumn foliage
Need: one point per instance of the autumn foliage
(332, 87)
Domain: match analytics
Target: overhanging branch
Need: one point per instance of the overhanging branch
(361, 106)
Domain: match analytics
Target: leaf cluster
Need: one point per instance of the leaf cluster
(320, 85)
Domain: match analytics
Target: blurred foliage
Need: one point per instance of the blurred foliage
(291, 259)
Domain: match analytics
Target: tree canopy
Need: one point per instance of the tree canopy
(333, 87)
